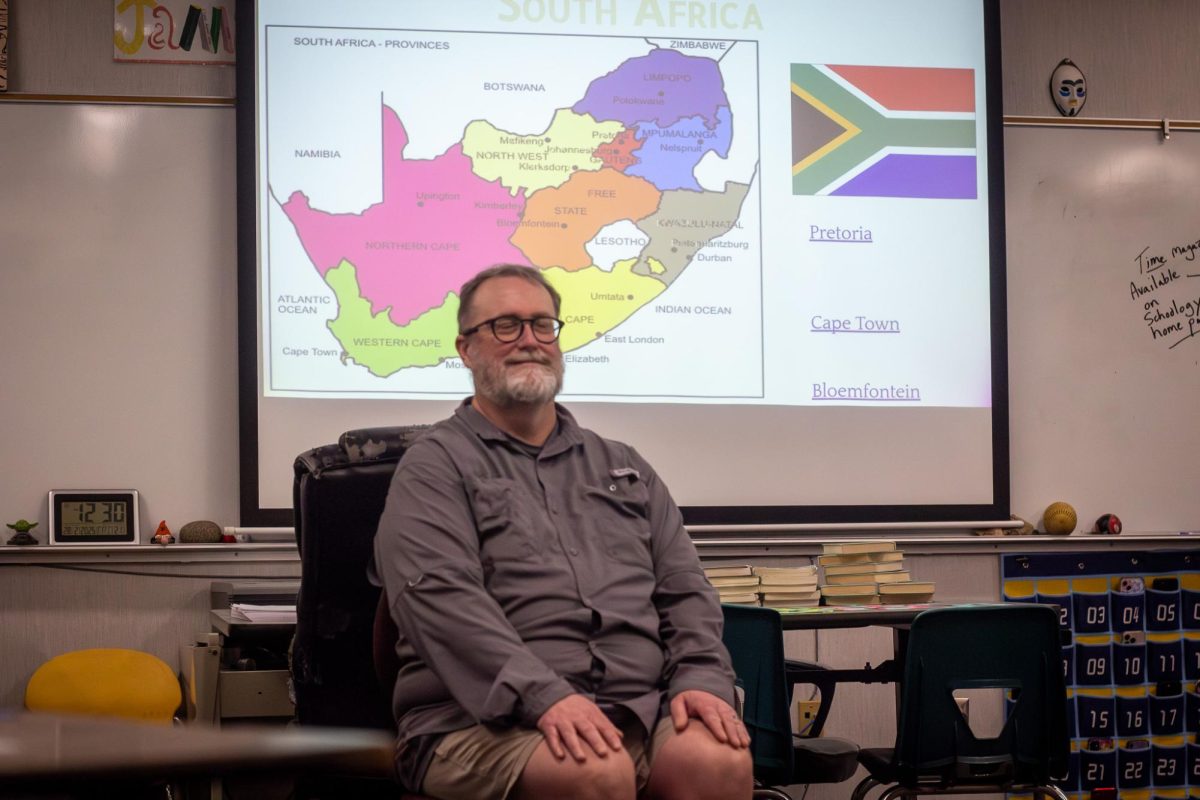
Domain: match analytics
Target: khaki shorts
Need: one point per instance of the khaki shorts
(486, 762)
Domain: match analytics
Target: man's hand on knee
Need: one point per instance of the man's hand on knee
(574, 721)
(715, 713)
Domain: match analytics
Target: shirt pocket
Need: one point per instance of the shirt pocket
(502, 518)
(618, 513)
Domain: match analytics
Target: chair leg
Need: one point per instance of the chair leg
(865, 785)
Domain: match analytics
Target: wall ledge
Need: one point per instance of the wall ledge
(151, 554)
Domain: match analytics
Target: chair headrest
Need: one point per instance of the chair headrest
(359, 446)
(374, 444)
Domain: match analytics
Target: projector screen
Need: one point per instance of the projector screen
(777, 228)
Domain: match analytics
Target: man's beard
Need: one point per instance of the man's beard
(514, 383)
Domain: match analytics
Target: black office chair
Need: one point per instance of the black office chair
(754, 638)
(338, 497)
(1014, 648)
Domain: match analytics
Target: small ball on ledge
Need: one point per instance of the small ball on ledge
(1059, 519)
(201, 531)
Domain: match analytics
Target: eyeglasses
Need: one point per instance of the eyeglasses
(509, 328)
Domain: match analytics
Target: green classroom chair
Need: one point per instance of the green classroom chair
(1014, 648)
(754, 638)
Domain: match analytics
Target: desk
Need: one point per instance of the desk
(224, 680)
(896, 617)
(892, 616)
(216, 691)
(49, 751)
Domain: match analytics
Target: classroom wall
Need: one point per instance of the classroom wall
(51, 608)
(1140, 58)
(65, 47)
(165, 422)
(162, 345)
(1137, 56)
(176, 434)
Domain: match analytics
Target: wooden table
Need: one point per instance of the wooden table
(42, 752)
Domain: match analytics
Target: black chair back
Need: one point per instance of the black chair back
(338, 497)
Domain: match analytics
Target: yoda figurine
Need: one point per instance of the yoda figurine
(22, 535)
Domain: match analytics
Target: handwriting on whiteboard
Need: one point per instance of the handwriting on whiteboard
(1168, 292)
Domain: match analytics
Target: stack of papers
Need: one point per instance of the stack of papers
(248, 612)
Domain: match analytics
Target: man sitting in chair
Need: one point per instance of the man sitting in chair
(558, 638)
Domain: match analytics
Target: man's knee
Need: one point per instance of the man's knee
(595, 779)
(734, 763)
(717, 764)
(695, 765)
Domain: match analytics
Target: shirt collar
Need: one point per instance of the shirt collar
(565, 436)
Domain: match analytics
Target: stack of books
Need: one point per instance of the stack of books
(870, 572)
(735, 583)
(787, 587)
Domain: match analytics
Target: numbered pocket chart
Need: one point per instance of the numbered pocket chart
(1131, 656)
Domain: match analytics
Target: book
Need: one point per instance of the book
(910, 592)
(870, 577)
(858, 558)
(794, 588)
(909, 587)
(814, 595)
(727, 570)
(248, 612)
(904, 599)
(741, 598)
(848, 590)
(872, 546)
(855, 600)
(806, 574)
(892, 577)
(865, 567)
(788, 588)
(790, 602)
(729, 581)
(803, 569)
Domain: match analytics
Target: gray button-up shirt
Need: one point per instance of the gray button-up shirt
(518, 576)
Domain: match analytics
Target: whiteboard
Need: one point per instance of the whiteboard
(118, 310)
(1104, 413)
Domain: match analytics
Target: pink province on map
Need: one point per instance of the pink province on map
(436, 226)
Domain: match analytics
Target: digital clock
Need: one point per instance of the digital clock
(94, 517)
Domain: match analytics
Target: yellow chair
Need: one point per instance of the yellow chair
(106, 682)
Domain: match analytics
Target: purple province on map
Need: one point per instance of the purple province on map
(662, 87)
(396, 266)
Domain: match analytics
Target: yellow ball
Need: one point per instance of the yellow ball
(1059, 518)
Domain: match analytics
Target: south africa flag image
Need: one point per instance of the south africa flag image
(867, 131)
